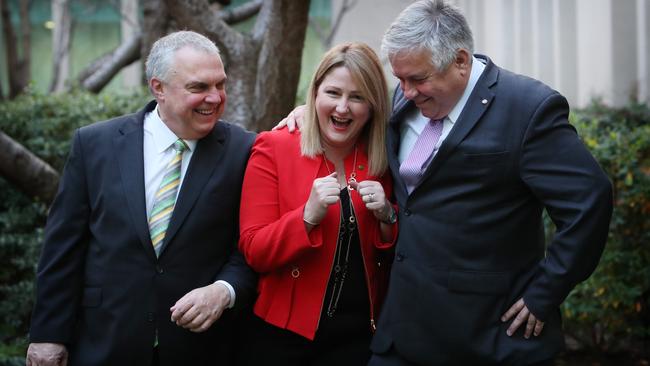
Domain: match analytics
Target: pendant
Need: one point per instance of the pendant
(351, 180)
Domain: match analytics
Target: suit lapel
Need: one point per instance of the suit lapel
(209, 151)
(129, 151)
(393, 141)
(477, 103)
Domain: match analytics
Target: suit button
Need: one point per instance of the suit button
(399, 257)
(407, 212)
(150, 317)
(159, 269)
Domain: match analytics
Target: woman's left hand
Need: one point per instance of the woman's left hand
(372, 194)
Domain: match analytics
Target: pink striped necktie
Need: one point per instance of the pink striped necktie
(415, 164)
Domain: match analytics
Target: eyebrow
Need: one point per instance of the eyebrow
(200, 84)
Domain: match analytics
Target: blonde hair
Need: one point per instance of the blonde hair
(366, 71)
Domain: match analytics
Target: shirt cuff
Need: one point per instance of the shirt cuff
(232, 293)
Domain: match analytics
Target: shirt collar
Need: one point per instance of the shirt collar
(161, 135)
(477, 69)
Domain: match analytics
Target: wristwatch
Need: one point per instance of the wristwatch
(392, 218)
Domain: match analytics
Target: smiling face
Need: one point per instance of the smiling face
(434, 92)
(341, 110)
(193, 98)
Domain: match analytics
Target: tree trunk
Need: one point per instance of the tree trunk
(282, 34)
(60, 44)
(130, 26)
(19, 75)
(26, 171)
(155, 23)
(263, 67)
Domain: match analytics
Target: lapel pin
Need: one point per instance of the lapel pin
(484, 101)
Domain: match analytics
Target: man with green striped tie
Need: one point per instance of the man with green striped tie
(140, 263)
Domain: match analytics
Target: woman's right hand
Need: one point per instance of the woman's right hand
(325, 191)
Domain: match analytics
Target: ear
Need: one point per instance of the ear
(157, 88)
(463, 60)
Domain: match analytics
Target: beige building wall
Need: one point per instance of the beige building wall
(583, 48)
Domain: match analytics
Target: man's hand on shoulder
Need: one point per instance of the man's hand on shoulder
(201, 307)
(293, 121)
(46, 354)
(522, 316)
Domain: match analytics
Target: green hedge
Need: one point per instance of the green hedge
(44, 124)
(609, 311)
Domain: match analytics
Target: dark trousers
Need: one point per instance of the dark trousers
(392, 358)
(266, 344)
(155, 361)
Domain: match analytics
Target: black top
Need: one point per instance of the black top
(346, 307)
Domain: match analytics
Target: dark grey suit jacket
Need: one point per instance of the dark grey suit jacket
(471, 238)
(100, 288)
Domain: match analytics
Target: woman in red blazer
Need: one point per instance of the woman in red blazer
(316, 217)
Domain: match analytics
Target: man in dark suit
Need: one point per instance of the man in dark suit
(477, 153)
(144, 227)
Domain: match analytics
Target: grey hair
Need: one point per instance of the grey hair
(431, 25)
(161, 55)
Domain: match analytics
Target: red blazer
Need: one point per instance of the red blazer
(294, 265)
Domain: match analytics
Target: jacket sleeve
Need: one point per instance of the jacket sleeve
(563, 175)
(235, 271)
(60, 270)
(387, 184)
(271, 238)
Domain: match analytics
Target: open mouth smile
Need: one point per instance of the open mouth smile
(205, 112)
(340, 122)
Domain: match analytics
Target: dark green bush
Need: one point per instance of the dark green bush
(44, 124)
(610, 310)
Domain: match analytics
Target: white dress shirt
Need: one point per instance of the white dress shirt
(158, 152)
(414, 121)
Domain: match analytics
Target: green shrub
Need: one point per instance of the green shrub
(44, 124)
(609, 311)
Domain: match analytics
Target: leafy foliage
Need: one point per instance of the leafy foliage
(610, 311)
(45, 125)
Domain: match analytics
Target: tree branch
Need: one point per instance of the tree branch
(26, 171)
(326, 39)
(241, 13)
(102, 70)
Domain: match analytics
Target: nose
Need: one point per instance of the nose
(408, 89)
(213, 96)
(342, 105)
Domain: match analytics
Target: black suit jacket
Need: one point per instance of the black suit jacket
(100, 288)
(471, 239)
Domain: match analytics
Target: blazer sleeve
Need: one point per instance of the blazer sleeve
(271, 238)
(235, 271)
(59, 278)
(577, 194)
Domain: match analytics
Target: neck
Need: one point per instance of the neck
(338, 154)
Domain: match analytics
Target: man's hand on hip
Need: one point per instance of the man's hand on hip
(523, 315)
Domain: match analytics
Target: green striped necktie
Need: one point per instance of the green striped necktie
(165, 198)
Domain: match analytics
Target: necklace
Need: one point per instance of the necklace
(344, 240)
(353, 174)
(341, 255)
